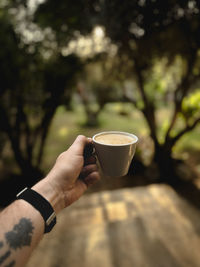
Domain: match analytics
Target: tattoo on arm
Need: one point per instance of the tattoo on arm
(21, 234)
(18, 237)
(11, 264)
(5, 256)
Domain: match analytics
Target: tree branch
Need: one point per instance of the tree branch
(181, 92)
(8, 129)
(20, 119)
(149, 108)
(188, 128)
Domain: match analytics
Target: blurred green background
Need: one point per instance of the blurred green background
(80, 67)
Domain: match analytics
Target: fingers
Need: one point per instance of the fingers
(92, 178)
(88, 150)
(90, 160)
(90, 174)
(79, 144)
(83, 184)
(88, 169)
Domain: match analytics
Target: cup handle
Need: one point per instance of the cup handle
(88, 151)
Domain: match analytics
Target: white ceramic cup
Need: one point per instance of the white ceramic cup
(115, 159)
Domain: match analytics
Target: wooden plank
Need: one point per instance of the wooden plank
(141, 227)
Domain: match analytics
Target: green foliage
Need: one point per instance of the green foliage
(151, 59)
(154, 88)
(191, 104)
(66, 18)
(32, 87)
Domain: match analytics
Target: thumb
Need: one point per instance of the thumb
(79, 144)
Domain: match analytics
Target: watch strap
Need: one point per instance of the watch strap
(41, 204)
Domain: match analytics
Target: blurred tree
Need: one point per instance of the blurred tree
(66, 18)
(32, 87)
(157, 46)
(100, 84)
(70, 21)
(146, 33)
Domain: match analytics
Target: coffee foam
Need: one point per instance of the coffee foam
(114, 139)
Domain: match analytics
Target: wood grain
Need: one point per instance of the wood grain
(138, 227)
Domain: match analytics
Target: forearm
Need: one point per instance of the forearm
(50, 193)
(22, 226)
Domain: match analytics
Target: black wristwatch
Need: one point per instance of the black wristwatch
(41, 204)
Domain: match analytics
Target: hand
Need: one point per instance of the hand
(72, 174)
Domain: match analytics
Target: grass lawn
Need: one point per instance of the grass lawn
(68, 124)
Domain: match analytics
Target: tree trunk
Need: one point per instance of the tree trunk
(165, 163)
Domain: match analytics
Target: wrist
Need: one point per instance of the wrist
(50, 193)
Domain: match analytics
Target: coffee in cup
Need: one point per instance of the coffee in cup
(114, 139)
(115, 151)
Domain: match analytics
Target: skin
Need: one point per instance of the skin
(22, 226)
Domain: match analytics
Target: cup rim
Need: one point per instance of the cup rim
(115, 132)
